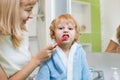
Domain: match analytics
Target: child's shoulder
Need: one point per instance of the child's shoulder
(78, 45)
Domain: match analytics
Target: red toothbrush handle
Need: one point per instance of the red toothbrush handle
(61, 40)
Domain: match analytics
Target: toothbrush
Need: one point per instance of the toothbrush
(64, 38)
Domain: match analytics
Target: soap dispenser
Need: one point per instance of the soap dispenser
(115, 74)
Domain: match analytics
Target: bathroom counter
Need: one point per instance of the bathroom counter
(104, 61)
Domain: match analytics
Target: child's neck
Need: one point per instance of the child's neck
(66, 48)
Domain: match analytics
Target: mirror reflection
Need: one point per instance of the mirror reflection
(100, 21)
(103, 21)
(114, 43)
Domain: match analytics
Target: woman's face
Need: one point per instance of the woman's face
(26, 10)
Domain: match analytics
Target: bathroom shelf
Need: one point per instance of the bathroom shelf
(82, 13)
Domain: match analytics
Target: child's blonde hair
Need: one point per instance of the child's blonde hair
(10, 21)
(66, 18)
(118, 33)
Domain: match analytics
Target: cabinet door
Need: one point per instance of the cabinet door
(61, 6)
(53, 8)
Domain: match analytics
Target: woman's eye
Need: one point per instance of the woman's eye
(28, 10)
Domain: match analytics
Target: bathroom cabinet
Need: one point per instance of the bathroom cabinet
(82, 13)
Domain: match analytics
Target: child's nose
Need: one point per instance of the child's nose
(66, 30)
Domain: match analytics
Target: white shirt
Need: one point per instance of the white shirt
(11, 59)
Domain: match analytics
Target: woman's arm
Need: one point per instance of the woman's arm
(36, 60)
(112, 47)
(20, 75)
(3, 76)
(25, 71)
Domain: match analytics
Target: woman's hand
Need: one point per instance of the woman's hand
(44, 54)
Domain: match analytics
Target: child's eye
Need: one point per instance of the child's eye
(70, 28)
(60, 28)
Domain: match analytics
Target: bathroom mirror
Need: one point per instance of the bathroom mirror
(102, 17)
(110, 19)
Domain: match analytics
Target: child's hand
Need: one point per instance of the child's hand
(44, 54)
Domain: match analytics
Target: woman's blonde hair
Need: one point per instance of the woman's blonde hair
(66, 18)
(10, 21)
(118, 33)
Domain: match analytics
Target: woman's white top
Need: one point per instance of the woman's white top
(11, 59)
(114, 38)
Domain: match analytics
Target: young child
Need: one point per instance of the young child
(69, 60)
(16, 62)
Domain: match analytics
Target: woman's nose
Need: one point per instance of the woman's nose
(30, 15)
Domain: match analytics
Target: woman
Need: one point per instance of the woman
(16, 62)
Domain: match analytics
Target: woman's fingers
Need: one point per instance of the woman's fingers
(45, 53)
